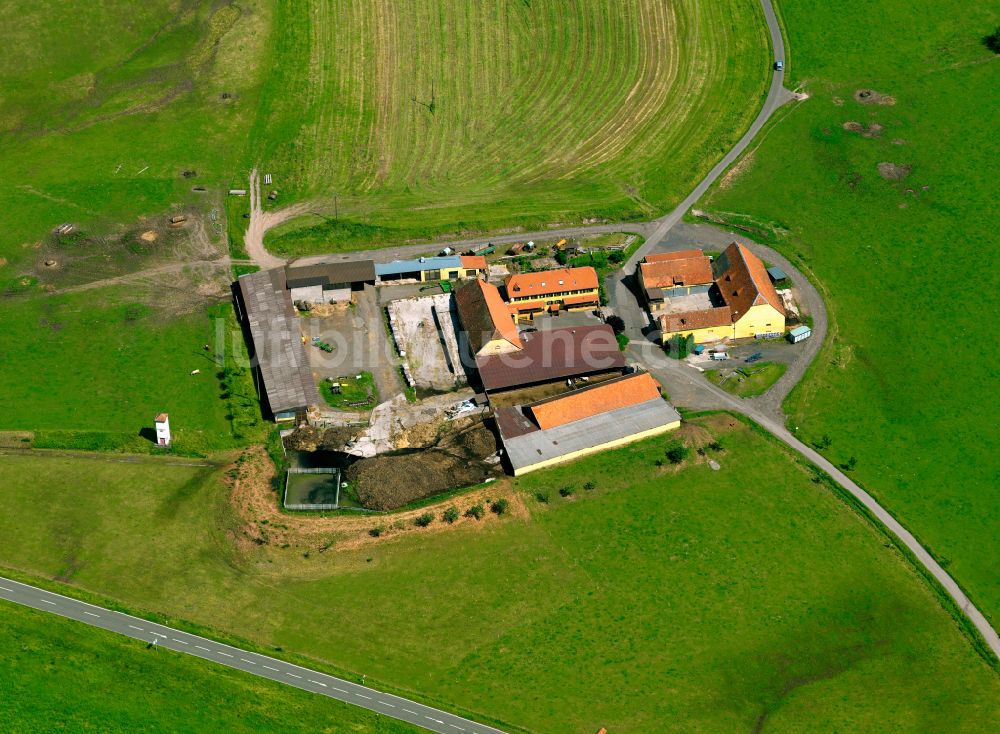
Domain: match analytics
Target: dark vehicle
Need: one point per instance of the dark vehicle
(754, 357)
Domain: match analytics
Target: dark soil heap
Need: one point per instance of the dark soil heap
(389, 482)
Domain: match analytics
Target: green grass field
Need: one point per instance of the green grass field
(99, 133)
(905, 383)
(756, 381)
(352, 392)
(60, 675)
(426, 117)
(709, 601)
(92, 369)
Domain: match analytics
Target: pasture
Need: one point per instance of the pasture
(426, 117)
(60, 675)
(91, 369)
(100, 133)
(705, 600)
(902, 189)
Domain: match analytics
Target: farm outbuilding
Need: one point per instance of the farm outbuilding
(776, 273)
(582, 422)
(799, 333)
(278, 357)
(427, 269)
(552, 355)
(328, 282)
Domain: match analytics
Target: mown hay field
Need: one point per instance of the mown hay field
(703, 600)
(907, 384)
(431, 116)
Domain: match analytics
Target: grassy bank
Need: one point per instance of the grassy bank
(904, 183)
(627, 581)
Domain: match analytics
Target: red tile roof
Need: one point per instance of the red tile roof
(474, 262)
(743, 281)
(547, 282)
(692, 320)
(679, 255)
(552, 354)
(579, 300)
(161, 418)
(590, 401)
(693, 269)
(484, 315)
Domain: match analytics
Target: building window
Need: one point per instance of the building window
(433, 275)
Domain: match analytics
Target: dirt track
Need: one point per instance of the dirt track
(261, 221)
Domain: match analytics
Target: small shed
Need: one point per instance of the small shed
(162, 424)
(776, 274)
(799, 333)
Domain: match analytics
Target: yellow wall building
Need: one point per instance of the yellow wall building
(752, 307)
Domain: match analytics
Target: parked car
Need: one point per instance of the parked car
(779, 65)
(754, 357)
(718, 356)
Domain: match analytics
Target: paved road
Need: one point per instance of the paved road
(261, 665)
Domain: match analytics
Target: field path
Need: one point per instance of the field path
(222, 262)
(261, 221)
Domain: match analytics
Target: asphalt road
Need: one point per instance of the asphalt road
(261, 665)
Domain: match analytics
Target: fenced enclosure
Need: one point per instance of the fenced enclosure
(312, 489)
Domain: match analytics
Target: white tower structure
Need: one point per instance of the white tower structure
(162, 422)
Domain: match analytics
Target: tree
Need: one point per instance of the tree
(689, 344)
(617, 256)
(992, 41)
(424, 520)
(450, 515)
(561, 257)
(677, 452)
(500, 506)
(617, 323)
(566, 492)
(542, 497)
(476, 511)
(622, 340)
(851, 463)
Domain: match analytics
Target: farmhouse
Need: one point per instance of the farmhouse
(552, 290)
(743, 301)
(674, 275)
(583, 422)
(424, 269)
(328, 282)
(553, 355)
(487, 324)
(281, 367)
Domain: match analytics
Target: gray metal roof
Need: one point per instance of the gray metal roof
(398, 267)
(352, 271)
(277, 341)
(538, 446)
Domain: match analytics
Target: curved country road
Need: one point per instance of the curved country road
(264, 666)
